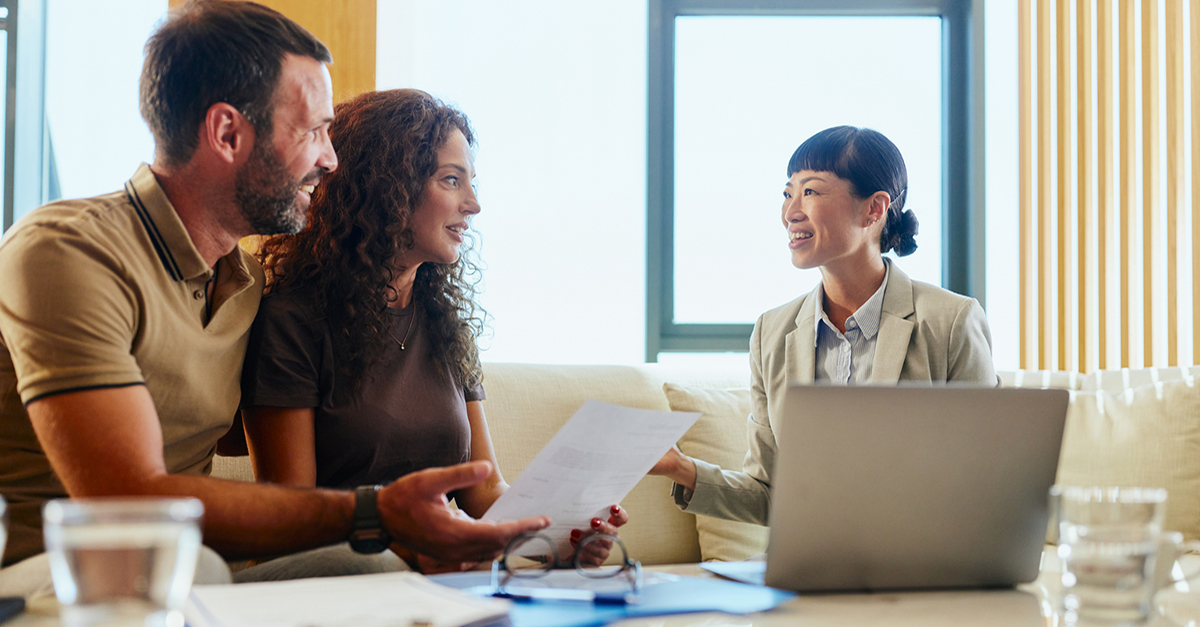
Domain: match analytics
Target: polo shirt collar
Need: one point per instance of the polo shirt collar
(171, 242)
(868, 317)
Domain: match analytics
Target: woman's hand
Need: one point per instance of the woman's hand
(597, 551)
(677, 467)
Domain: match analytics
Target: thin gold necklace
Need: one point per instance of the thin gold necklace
(412, 322)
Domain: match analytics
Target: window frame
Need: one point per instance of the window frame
(30, 177)
(963, 252)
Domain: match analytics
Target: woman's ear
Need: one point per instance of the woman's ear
(877, 206)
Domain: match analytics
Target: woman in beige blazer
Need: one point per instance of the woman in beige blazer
(865, 323)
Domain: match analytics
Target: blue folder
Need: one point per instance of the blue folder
(677, 596)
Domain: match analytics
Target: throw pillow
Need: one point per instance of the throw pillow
(719, 437)
(1144, 436)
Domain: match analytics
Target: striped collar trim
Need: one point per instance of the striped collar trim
(165, 230)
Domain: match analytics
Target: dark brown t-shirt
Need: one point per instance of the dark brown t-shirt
(409, 414)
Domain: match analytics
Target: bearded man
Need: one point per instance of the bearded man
(124, 318)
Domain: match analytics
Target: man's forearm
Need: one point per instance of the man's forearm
(253, 520)
(108, 442)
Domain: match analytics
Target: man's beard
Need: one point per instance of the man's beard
(267, 195)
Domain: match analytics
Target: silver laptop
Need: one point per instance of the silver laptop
(888, 488)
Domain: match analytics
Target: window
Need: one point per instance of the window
(91, 98)
(733, 91)
(6, 130)
(29, 175)
(556, 92)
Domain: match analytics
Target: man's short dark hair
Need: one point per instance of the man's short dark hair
(211, 51)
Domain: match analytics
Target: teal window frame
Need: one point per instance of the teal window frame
(30, 178)
(963, 252)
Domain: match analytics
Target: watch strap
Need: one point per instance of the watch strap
(368, 534)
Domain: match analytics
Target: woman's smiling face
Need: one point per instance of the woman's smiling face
(444, 211)
(826, 223)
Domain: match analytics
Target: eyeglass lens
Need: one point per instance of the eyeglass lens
(530, 555)
(600, 555)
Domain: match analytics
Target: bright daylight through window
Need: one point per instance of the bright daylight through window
(742, 107)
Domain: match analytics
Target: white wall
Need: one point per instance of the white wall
(93, 60)
(557, 94)
(1003, 279)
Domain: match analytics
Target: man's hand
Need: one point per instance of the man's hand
(417, 514)
(427, 565)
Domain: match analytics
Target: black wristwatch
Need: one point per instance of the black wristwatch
(368, 535)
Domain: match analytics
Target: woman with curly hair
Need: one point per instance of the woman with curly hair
(865, 323)
(362, 365)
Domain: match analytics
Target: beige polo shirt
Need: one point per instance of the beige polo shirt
(108, 292)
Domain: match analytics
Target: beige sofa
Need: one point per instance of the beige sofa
(1124, 428)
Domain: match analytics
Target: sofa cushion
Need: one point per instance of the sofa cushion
(1125, 378)
(233, 468)
(1061, 379)
(1142, 436)
(527, 404)
(719, 437)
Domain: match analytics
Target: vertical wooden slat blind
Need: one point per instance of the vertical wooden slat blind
(1085, 241)
(1195, 59)
(1177, 164)
(1127, 102)
(1151, 242)
(1108, 269)
(1063, 254)
(1105, 176)
(1045, 78)
(1028, 321)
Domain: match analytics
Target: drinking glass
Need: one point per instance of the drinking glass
(3, 524)
(122, 561)
(1109, 539)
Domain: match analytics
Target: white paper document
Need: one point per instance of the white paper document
(590, 464)
(385, 600)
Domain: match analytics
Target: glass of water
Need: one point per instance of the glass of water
(122, 561)
(1108, 541)
(3, 524)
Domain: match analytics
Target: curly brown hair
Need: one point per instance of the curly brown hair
(343, 262)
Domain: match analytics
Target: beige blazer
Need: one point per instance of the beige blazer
(926, 334)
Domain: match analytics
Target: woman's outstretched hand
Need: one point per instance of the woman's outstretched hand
(677, 467)
(597, 551)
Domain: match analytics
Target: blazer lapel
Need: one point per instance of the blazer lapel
(800, 344)
(895, 329)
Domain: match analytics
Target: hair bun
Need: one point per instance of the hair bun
(901, 234)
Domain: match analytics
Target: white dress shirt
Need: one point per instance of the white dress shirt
(846, 358)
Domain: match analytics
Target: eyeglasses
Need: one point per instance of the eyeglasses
(533, 555)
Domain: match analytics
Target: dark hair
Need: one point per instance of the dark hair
(211, 51)
(872, 163)
(387, 144)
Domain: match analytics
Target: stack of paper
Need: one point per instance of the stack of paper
(360, 601)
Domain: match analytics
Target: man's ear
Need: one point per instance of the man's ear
(227, 133)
